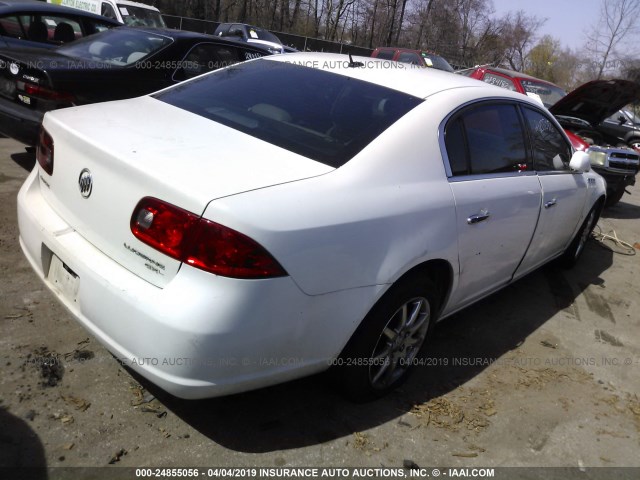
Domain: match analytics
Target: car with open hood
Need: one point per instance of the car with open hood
(583, 114)
(277, 218)
(624, 124)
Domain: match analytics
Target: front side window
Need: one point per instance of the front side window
(107, 11)
(271, 101)
(486, 139)
(551, 152)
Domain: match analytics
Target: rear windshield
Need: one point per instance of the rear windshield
(321, 115)
(261, 34)
(549, 94)
(436, 61)
(119, 46)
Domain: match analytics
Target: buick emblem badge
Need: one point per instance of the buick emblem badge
(14, 68)
(85, 182)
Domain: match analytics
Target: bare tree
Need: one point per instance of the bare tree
(618, 20)
(519, 33)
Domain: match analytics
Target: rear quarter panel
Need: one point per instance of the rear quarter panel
(366, 223)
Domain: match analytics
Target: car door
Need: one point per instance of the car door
(563, 191)
(497, 196)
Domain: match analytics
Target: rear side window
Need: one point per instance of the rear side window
(205, 57)
(486, 139)
(10, 26)
(107, 11)
(321, 115)
(551, 152)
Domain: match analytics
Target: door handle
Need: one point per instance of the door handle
(478, 217)
(550, 203)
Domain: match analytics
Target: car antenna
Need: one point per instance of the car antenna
(353, 64)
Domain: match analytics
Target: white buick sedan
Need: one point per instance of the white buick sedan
(293, 213)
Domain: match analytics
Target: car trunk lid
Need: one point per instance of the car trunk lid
(147, 148)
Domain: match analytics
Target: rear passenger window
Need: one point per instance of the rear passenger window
(551, 152)
(489, 138)
(10, 26)
(456, 148)
(206, 57)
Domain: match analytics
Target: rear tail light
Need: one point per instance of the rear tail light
(44, 151)
(200, 242)
(45, 93)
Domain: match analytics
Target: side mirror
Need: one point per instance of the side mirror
(580, 162)
(622, 120)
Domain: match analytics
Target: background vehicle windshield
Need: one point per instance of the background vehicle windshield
(437, 62)
(141, 17)
(261, 34)
(272, 100)
(549, 94)
(120, 46)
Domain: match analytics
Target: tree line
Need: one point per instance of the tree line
(466, 32)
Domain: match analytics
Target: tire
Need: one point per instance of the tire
(634, 143)
(614, 197)
(573, 252)
(380, 353)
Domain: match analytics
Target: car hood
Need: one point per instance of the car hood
(597, 100)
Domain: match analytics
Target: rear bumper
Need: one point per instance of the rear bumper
(201, 335)
(19, 122)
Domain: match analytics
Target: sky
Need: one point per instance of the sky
(567, 20)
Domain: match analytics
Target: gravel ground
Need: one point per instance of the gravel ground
(543, 373)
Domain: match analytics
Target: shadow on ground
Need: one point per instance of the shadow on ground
(26, 160)
(309, 411)
(21, 452)
(622, 211)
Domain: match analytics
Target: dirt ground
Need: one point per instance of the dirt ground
(543, 373)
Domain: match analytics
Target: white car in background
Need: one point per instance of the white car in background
(275, 218)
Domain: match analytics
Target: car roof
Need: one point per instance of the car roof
(404, 77)
(14, 6)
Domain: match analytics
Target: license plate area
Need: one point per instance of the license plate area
(64, 280)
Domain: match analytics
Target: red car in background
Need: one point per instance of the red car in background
(580, 113)
(546, 92)
(421, 58)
